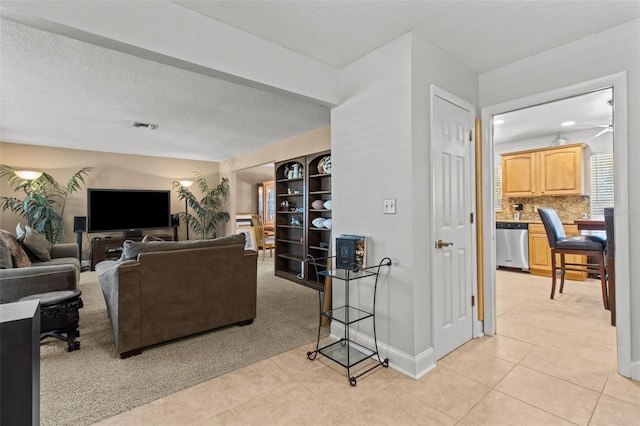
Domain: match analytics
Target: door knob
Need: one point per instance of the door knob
(441, 244)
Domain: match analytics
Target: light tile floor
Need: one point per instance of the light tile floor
(552, 362)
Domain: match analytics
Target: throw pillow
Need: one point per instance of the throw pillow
(18, 256)
(5, 255)
(38, 244)
(19, 232)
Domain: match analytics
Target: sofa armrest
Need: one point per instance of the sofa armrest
(16, 283)
(65, 250)
(120, 284)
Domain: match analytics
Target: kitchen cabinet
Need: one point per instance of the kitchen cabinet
(519, 174)
(540, 253)
(560, 170)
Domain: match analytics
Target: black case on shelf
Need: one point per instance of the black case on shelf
(346, 253)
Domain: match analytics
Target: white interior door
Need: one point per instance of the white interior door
(453, 174)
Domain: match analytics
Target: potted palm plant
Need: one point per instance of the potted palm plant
(207, 216)
(44, 200)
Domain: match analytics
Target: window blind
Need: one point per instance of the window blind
(601, 183)
(497, 188)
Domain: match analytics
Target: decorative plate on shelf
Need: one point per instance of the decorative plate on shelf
(327, 164)
(317, 204)
(327, 223)
(327, 205)
(324, 165)
(318, 222)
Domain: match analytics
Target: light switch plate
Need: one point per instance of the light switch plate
(390, 206)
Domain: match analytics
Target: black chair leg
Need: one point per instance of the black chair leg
(563, 271)
(553, 273)
(603, 280)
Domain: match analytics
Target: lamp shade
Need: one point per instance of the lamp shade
(28, 174)
(186, 183)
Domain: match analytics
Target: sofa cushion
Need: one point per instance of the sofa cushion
(20, 234)
(131, 249)
(5, 255)
(38, 244)
(18, 256)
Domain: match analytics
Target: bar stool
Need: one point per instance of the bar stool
(587, 245)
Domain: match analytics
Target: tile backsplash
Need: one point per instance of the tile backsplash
(569, 208)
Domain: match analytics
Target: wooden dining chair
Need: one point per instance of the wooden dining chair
(587, 245)
(264, 240)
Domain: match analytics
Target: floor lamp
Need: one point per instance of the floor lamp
(186, 184)
(29, 176)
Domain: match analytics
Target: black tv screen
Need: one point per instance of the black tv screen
(127, 209)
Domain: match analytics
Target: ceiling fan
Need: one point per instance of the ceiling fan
(606, 128)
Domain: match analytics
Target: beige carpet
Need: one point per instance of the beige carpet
(85, 386)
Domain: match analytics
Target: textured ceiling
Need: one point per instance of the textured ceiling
(481, 34)
(587, 111)
(63, 92)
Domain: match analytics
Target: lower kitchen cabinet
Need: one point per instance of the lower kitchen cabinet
(540, 253)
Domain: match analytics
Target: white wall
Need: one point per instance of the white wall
(371, 158)
(246, 186)
(606, 53)
(380, 149)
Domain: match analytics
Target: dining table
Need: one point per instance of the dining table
(592, 224)
(597, 224)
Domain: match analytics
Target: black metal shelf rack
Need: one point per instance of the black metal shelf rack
(346, 351)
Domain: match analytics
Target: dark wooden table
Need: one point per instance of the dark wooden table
(59, 315)
(589, 224)
(597, 224)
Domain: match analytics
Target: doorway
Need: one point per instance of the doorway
(617, 83)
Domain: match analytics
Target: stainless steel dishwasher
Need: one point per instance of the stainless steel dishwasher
(512, 245)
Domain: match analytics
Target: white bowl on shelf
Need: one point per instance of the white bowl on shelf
(318, 222)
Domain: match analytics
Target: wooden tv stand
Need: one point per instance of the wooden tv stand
(106, 248)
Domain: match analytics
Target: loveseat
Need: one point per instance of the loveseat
(163, 290)
(60, 272)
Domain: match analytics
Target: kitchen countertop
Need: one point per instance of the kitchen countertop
(539, 222)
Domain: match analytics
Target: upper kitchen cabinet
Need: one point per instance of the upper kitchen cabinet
(560, 170)
(519, 174)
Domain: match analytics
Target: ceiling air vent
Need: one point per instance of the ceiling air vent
(143, 125)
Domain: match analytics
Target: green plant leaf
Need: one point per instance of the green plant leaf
(43, 205)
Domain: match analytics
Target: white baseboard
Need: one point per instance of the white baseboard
(635, 370)
(411, 366)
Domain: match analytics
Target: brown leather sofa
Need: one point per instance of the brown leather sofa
(163, 290)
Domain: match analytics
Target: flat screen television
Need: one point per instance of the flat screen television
(127, 209)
